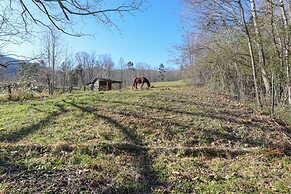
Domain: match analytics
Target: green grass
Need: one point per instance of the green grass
(171, 138)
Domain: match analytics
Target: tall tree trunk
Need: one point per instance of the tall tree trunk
(289, 10)
(275, 34)
(273, 95)
(261, 50)
(277, 40)
(286, 48)
(53, 68)
(251, 51)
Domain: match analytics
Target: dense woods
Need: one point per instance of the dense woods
(239, 47)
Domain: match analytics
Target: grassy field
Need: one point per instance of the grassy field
(170, 139)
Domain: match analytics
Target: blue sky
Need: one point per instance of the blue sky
(145, 37)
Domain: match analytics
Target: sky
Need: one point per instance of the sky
(145, 37)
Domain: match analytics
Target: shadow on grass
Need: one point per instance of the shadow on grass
(7, 166)
(226, 115)
(149, 179)
(51, 181)
(162, 121)
(15, 136)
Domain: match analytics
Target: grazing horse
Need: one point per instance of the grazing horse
(140, 80)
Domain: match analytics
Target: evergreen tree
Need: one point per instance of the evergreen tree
(130, 66)
(162, 72)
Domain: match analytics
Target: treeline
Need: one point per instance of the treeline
(54, 70)
(239, 47)
(75, 72)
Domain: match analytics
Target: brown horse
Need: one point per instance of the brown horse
(141, 80)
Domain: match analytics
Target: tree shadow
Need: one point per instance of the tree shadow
(228, 137)
(52, 181)
(228, 116)
(163, 121)
(15, 136)
(149, 177)
(7, 166)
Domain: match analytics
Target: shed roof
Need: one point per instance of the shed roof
(109, 80)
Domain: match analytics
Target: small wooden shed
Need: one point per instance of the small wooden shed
(102, 84)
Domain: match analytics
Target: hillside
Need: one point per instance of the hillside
(11, 64)
(171, 138)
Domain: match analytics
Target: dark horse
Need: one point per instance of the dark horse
(141, 80)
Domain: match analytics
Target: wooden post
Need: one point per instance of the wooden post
(97, 86)
(107, 85)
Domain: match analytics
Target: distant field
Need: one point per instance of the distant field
(171, 138)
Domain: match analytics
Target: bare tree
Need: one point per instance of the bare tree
(215, 17)
(261, 49)
(106, 64)
(17, 17)
(12, 28)
(52, 56)
(287, 45)
(88, 62)
(141, 69)
(66, 68)
(121, 64)
(251, 50)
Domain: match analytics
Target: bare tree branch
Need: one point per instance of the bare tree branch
(61, 14)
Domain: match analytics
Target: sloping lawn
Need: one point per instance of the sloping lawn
(171, 138)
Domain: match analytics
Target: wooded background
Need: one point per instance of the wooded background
(241, 47)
